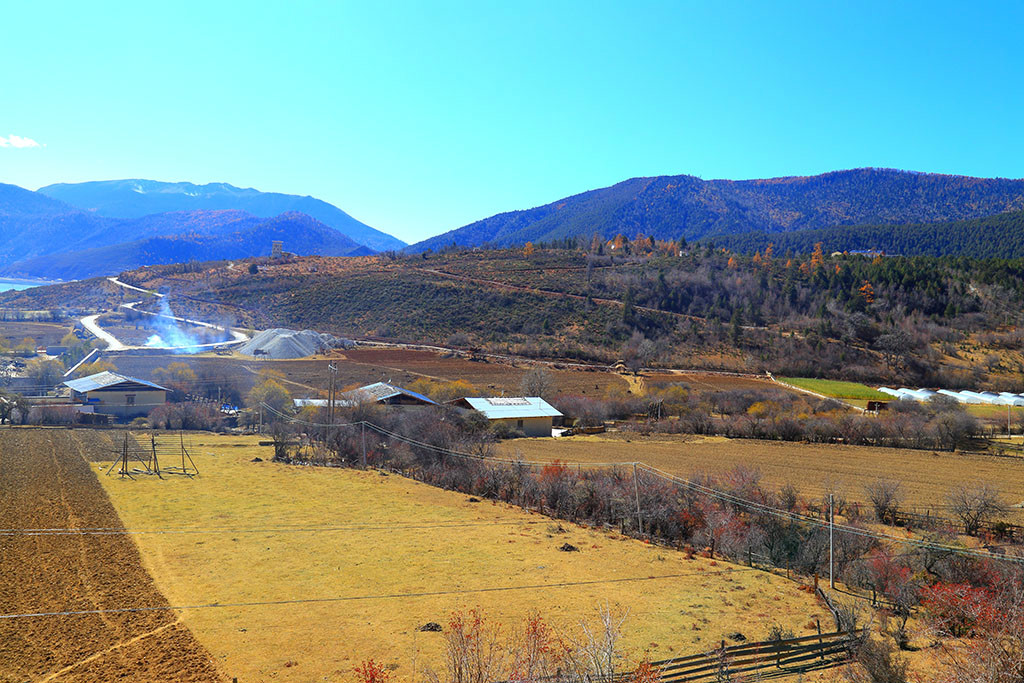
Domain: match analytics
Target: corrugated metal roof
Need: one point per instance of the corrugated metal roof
(382, 391)
(519, 407)
(104, 380)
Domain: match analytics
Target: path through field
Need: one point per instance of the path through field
(46, 483)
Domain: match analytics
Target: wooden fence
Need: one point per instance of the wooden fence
(770, 658)
(996, 529)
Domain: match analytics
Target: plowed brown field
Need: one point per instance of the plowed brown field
(46, 483)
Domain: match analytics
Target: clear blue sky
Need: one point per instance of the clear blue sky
(419, 117)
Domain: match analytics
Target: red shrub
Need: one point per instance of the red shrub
(372, 672)
(960, 609)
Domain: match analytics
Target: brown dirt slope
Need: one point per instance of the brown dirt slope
(45, 483)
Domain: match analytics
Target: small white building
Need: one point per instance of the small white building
(531, 415)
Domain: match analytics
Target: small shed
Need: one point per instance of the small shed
(386, 394)
(531, 415)
(110, 393)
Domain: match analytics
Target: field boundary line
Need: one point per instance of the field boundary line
(116, 646)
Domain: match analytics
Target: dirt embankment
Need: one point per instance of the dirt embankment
(45, 483)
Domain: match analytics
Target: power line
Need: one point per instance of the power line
(441, 449)
(784, 514)
(708, 491)
(114, 531)
(384, 596)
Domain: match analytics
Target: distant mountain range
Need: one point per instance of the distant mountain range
(242, 236)
(46, 238)
(670, 207)
(138, 198)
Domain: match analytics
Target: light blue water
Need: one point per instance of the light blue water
(6, 285)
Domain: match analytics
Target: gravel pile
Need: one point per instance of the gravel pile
(284, 343)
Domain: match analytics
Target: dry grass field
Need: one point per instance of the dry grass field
(43, 333)
(712, 381)
(926, 476)
(383, 555)
(309, 376)
(46, 484)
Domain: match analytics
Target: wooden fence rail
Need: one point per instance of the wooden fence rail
(791, 655)
(769, 658)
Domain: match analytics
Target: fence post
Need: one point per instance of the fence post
(821, 643)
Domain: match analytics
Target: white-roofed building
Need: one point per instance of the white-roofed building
(110, 393)
(531, 415)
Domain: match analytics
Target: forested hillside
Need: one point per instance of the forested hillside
(670, 207)
(928, 321)
(999, 236)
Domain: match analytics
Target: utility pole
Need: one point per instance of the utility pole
(362, 433)
(261, 418)
(636, 493)
(332, 392)
(831, 528)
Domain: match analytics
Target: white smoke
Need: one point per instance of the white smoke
(170, 335)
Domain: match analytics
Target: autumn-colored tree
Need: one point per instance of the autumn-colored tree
(732, 262)
(270, 392)
(818, 256)
(95, 367)
(619, 242)
(537, 653)
(44, 372)
(959, 609)
(177, 375)
(867, 292)
(757, 259)
(528, 249)
(473, 651)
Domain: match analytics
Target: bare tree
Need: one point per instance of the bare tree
(974, 505)
(885, 496)
(596, 654)
(538, 382)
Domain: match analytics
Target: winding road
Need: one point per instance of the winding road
(91, 323)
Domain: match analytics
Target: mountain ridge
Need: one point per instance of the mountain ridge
(134, 198)
(670, 207)
(247, 236)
